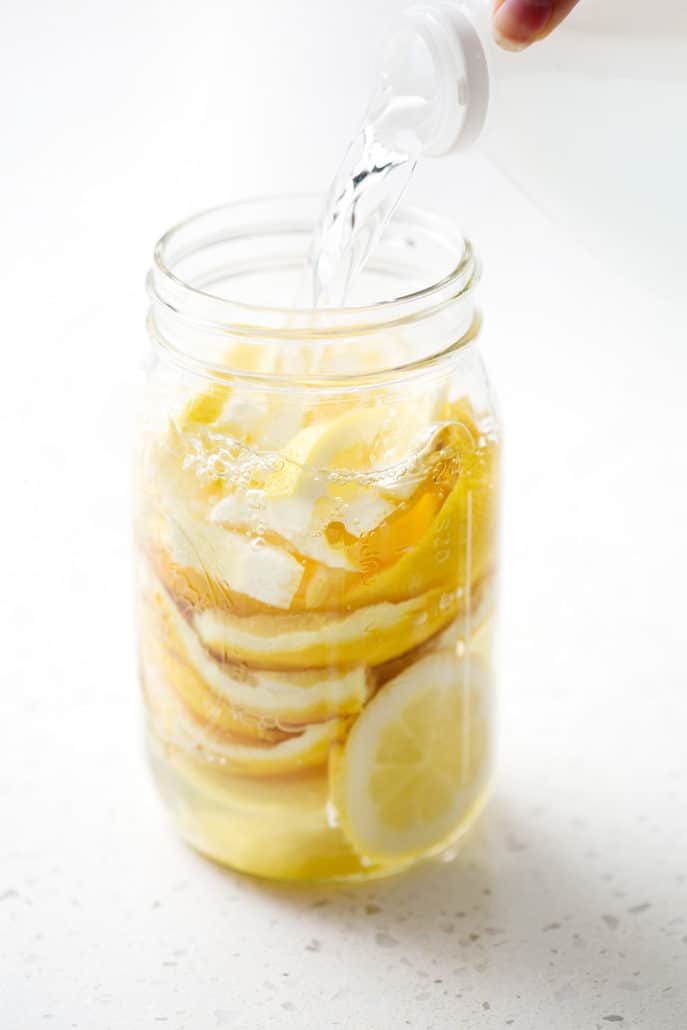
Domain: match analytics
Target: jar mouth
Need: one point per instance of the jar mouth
(195, 285)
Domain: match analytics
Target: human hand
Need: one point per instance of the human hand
(517, 23)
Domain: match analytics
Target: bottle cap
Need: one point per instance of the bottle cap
(437, 56)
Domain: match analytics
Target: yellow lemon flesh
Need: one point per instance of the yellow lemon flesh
(414, 761)
(251, 702)
(457, 545)
(326, 639)
(265, 827)
(294, 753)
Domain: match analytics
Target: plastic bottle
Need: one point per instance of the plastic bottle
(591, 124)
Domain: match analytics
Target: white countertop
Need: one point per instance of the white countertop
(566, 907)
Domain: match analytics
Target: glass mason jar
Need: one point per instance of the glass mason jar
(316, 526)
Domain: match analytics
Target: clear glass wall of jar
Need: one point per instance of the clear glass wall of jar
(316, 527)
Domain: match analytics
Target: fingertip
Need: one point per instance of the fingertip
(518, 23)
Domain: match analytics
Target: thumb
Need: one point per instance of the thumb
(517, 23)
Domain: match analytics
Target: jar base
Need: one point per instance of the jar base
(289, 841)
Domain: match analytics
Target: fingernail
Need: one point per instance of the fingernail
(517, 23)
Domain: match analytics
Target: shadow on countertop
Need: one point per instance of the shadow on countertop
(526, 904)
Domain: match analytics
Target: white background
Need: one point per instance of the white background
(567, 904)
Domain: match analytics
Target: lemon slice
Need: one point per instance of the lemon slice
(364, 636)
(344, 442)
(162, 654)
(457, 546)
(254, 568)
(415, 760)
(252, 415)
(359, 509)
(292, 518)
(282, 699)
(267, 422)
(468, 631)
(296, 753)
(265, 827)
(205, 407)
(369, 439)
(286, 501)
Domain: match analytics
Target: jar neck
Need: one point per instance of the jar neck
(221, 285)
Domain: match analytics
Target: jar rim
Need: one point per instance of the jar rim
(204, 310)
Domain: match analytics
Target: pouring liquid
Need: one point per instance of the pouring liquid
(363, 196)
(378, 165)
